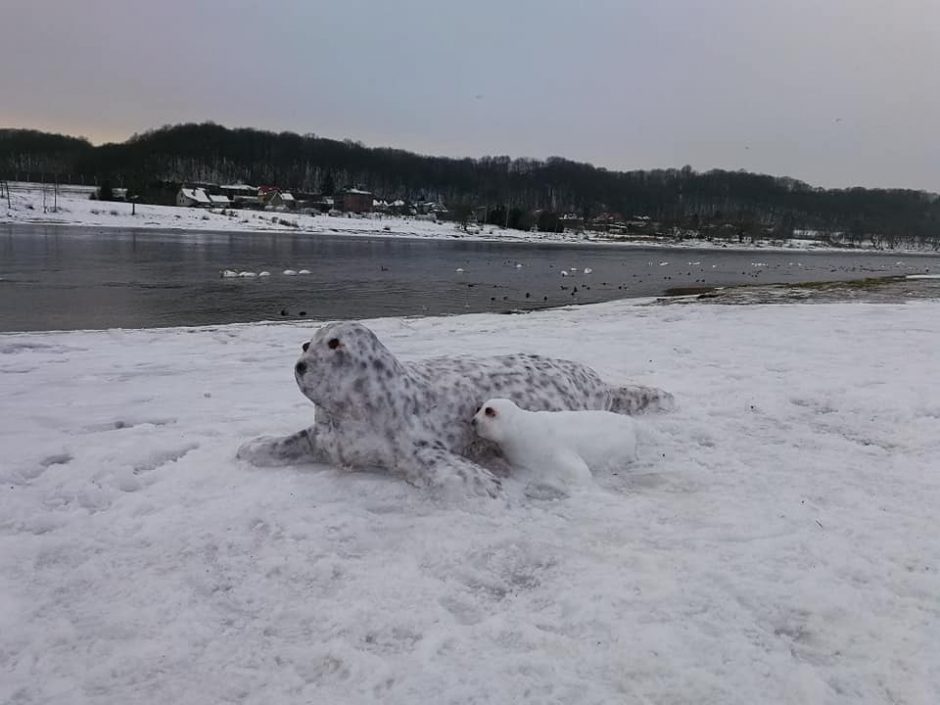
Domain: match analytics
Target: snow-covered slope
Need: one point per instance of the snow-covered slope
(77, 209)
(777, 542)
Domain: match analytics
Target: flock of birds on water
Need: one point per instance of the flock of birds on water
(572, 290)
(233, 273)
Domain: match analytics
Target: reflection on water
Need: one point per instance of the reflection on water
(59, 277)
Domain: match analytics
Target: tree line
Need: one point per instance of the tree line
(524, 191)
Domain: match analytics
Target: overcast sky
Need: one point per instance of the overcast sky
(834, 92)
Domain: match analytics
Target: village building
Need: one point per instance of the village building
(571, 222)
(352, 200)
(282, 201)
(235, 191)
(193, 198)
(265, 193)
(429, 208)
(397, 207)
(608, 222)
(219, 200)
(248, 202)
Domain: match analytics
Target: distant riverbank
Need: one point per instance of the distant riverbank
(30, 205)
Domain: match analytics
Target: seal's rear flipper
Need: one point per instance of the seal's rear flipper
(636, 399)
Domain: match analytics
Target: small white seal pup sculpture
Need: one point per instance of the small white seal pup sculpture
(557, 448)
(413, 418)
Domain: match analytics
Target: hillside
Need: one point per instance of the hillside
(153, 162)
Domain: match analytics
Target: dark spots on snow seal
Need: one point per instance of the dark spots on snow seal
(416, 414)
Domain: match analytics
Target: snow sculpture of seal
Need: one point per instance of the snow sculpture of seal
(557, 448)
(413, 418)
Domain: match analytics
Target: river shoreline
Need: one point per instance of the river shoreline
(27, 208)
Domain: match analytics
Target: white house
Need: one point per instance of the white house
(193, 198)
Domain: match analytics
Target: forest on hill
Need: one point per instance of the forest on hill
(155, 162)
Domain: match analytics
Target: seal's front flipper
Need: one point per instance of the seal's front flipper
(272, 451)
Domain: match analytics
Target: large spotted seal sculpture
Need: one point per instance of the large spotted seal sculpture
(557, 449)
(413, 418)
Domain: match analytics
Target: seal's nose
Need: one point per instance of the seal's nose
(473, 421)
(300, 368)
(305, 346)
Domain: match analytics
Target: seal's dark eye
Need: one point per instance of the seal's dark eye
(333, 343)
(305, 346)
(490, 411)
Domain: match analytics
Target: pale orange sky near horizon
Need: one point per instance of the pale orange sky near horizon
(835, 93)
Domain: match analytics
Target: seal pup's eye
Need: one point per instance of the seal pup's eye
(490, 411)
(305, 346)
(333, 343)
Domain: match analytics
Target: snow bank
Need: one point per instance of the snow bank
(775, 543)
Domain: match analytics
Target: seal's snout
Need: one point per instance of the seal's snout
(306, 346)
(300, 368)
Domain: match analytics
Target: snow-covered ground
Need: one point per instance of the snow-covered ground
(78, 209)
(777, 542)
(74, 207)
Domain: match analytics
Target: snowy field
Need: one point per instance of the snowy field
(75, 208)
(777, 542)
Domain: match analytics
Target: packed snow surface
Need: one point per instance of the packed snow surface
(776, 541)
